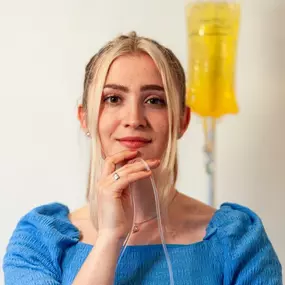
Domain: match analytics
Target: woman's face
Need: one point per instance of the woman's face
(133, 113)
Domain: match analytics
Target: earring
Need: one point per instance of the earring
(87, 134)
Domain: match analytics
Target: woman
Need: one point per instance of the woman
(134, 107)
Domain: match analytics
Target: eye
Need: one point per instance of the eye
(113, 99)
(156, 101)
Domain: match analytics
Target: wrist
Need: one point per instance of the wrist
(109, 238)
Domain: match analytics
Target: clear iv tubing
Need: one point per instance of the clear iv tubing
(159, 227)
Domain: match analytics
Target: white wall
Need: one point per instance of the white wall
(44, 46)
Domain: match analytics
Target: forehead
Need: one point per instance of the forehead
(134, 69)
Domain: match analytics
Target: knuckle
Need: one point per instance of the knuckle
(108, 160)
(101, 185)
(128, 177)
(127, 166)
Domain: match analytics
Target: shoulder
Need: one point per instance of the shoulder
(248, 252)
(40, 237)
(49, 221)
(233, 222)
(235, 219)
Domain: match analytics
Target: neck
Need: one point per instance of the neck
(144, 200)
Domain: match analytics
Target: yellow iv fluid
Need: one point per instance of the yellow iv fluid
(212, 42)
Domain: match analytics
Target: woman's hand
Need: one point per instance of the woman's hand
(114, 211)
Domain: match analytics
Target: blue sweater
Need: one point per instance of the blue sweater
(45, 250)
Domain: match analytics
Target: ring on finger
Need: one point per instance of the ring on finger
(116, 176)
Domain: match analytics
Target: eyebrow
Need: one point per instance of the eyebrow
(152, 87)
(117, 87)
(149, 87)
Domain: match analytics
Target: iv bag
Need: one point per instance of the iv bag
(212, 28)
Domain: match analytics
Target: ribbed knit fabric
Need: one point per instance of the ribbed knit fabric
(45, 250)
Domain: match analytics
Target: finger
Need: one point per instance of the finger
(129, 169)
(119, 185)
(111, 161)
(137, 166)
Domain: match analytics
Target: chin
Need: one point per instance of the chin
(143, 152)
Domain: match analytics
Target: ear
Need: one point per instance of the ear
(81, 116)
(184, 121)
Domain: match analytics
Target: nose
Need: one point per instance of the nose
(134, 118)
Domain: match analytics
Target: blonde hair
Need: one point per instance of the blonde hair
(173, 78)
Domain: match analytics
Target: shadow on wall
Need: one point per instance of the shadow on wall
(272, 121)
(273, 46)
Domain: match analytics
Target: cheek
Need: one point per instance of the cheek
(162, 130)
(106, 126)
(162, 124)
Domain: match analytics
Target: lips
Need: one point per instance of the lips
(134, 142)
(135, 139)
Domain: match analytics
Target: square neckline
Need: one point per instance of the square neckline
(209, 232)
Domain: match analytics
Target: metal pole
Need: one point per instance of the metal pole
(209, 149)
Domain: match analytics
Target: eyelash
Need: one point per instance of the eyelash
(162, 102)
